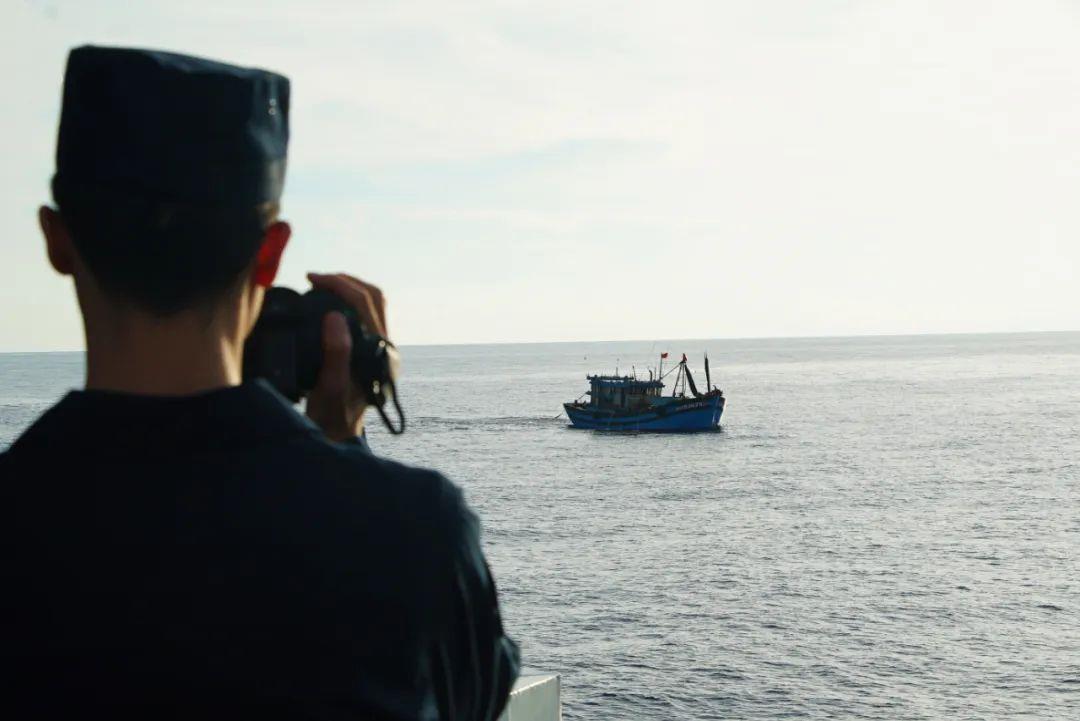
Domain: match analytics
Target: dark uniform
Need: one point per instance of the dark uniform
(214, 556)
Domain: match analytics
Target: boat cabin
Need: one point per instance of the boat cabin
(622, 392)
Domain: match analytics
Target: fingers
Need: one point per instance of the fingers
(366, 299)
(335, 404)
(334, 377)
(377, 298)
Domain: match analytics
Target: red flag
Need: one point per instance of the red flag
(683, 357)
(663, 355)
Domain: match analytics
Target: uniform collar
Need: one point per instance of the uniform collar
(247, 414)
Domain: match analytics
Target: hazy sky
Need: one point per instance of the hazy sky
(517, 171)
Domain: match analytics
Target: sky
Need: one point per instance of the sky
(593, 170)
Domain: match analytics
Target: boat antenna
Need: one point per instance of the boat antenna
(708, 380)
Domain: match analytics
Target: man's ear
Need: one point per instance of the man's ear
(269, 257)
(57, 240)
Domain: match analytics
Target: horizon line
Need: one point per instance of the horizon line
(933, 334)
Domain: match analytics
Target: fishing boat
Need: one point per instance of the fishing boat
(628, 403)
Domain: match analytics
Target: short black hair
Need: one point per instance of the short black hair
(163, 257)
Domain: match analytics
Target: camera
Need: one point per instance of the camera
(285, 349)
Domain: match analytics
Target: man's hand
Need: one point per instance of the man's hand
(335, 404)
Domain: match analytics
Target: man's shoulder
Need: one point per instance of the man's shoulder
(350, 473)
(355, 462)
(395, 519)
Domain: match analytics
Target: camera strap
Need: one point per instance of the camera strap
(400, 428)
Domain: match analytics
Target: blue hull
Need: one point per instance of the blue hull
(693, 414)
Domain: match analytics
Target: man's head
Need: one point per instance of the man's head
(169, 172)
(162, 258)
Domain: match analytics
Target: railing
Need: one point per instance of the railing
(534, 698)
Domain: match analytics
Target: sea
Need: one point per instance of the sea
(884, 528)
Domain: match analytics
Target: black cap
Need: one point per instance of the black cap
(172, 127)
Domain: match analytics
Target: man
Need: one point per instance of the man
(177, 543)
